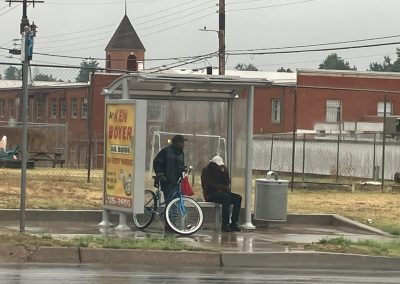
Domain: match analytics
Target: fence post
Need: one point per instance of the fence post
(272, 152)
(337, 158)
(294, 135)
(384, 142)
(304, 154)
(374, 158)
(89, 125)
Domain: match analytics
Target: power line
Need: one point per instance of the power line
(149, 27)
(140, 17)
(271, 6)
(10, 9)
(2, 8)
(314, 50)
(318, 44)
(145, 35)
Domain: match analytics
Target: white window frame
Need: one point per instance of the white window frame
(84, 107)
(2, 114)
(333, 110)
(11, 108)
(53, 108)
(275, 110)
(39, 107)
(63, 108)
(380, 108)
(74, 107)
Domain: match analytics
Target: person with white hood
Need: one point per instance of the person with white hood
(216, 185)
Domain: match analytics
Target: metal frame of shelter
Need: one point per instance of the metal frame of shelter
(147, 86)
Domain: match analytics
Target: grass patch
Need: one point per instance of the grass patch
(33, 241)
(381, 208)
(368, 247)
(167, 243)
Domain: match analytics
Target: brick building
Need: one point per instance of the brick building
(329, 101)
(51, 103)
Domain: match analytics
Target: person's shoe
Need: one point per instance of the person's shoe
(226, 229)
(234, 227)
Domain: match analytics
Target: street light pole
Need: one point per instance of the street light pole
(26, 55)
(221, 37)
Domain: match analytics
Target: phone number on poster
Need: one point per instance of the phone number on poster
(118, 201)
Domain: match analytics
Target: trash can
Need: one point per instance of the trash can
(271, 199)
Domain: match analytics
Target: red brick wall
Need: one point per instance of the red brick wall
(118, 58)
(263, 109)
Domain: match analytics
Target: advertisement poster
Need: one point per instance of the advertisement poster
(119, 155)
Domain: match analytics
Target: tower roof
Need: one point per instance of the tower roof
(125, 37)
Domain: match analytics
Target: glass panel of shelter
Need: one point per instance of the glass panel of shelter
(204, 124)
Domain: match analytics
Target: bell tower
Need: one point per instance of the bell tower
(125, 51)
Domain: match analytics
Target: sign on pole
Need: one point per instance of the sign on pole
(124, 159)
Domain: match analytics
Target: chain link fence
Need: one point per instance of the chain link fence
(58, 128)
(329, 158)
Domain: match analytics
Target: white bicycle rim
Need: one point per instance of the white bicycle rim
(186, 227)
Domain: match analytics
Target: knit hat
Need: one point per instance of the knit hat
(217, 160)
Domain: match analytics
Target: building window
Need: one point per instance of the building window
(63, 108)
(132, 63)
(11, 108)
(84, 107)
(1, 107)
(39, 107)
(333, 110)
(276, 111)
(185, 113)
(28, 114)
(53, 108)
(381, 108)
(108, 61)
(74, 107)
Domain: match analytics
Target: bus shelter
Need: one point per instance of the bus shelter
(215, 114)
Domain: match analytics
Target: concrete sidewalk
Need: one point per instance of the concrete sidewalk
(261, 248)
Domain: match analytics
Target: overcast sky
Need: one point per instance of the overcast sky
(170, 28)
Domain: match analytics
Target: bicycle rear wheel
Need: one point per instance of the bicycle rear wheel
(184, 215)
(142, 221)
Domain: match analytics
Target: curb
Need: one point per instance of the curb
(144, 257)
(309, 260)
(287, 260)
(340, 220)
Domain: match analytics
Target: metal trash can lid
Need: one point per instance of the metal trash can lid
(272, 181)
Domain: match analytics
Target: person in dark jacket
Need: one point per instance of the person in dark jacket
(169, 165)
(217, 188)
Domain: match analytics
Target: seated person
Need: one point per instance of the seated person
(217, 188)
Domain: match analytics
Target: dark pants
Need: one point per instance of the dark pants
(226, 199)
(169, 194)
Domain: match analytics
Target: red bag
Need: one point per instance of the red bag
(186, 188)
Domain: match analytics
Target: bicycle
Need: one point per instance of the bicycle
(183, 214)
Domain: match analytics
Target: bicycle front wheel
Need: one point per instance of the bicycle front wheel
(142, 221)
(184, 215)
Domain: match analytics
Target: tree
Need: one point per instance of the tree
(87, 65)
(387, 65)
(334, 62)
(284, 70)
(13, 73)
(246, 67)
(44, 77)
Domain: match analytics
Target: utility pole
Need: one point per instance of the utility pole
(221, 37)
(27, 33)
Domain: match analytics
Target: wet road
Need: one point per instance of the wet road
(58, 274)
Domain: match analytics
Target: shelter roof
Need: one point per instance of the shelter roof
(181, 86)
